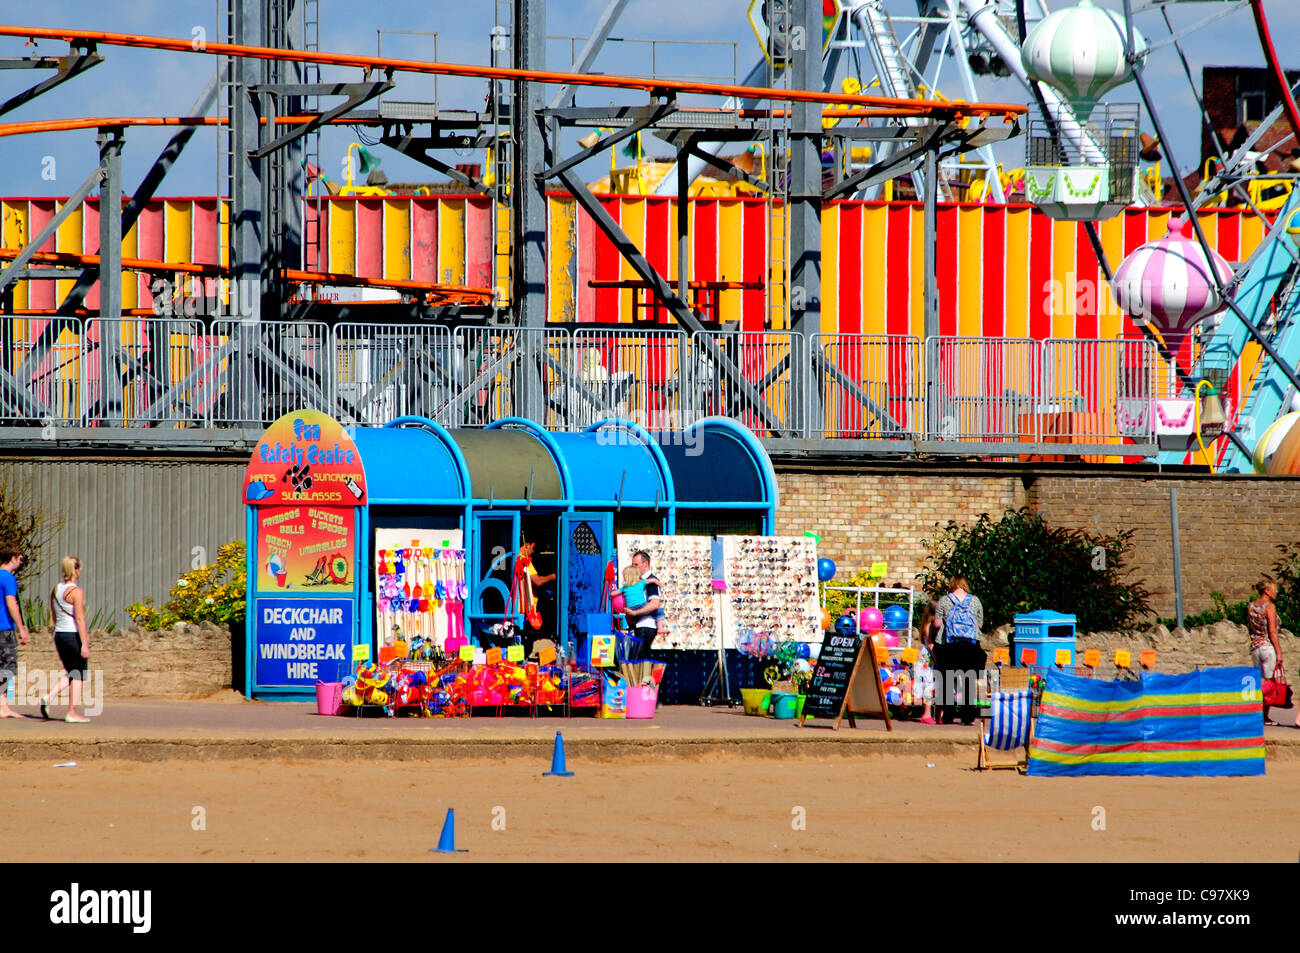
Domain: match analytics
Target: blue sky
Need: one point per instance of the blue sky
(144, 82)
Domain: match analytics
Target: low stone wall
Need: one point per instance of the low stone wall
(1181, 650)
(186, 661)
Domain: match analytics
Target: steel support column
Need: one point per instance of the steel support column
(110, 271)
(803, 217)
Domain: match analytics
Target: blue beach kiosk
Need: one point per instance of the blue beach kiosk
(487, 491)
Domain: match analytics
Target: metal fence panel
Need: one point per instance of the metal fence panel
(143, 372)
(1097, 391)
(385, 372)
(271, 368)
(637, 375)
(982, 390)
(44, 370)
(500, 372)
(866, 386)
(763, 396)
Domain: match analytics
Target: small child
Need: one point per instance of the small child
(633, 588)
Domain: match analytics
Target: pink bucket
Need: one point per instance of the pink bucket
(329, 698)
(641, 701)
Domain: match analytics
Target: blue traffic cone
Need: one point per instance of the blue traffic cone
(557, 761)
(447, 842)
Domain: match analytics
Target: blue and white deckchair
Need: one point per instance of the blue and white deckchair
(1010, 716)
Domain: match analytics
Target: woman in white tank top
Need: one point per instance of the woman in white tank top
(71, 640)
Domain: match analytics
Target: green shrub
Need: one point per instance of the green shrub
(1020, 564)
(212, 593)
(1286, 572)
(25, 526)
(1236, 612)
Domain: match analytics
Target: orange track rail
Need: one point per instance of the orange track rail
(437, 292)
(108, 122)
(922, 107)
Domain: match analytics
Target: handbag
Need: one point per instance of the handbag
(1277, 692)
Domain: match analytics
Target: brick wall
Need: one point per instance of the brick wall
(189, 661)
(1229, 527)
(865, 517)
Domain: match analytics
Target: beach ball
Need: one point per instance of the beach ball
(827, 621)
(825, 569)
(871, 620)
(846, 625)
(1080, 51)
(1167, 283)
(275, 565)
(1271, 439)
(895, 618)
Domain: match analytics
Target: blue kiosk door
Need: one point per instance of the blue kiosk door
(494, 542)
(586, 548)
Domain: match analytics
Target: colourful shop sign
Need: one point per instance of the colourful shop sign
(305, 457)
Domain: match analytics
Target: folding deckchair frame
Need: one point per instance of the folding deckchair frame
(1008, 682)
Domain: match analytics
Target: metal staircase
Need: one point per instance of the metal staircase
(778, 145)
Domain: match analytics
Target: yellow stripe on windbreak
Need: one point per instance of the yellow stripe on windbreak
(1149, 757)
(970, 271)
(1016, 274)
(918, 273)
(131, 280)
(874, 307)
(1146, 700)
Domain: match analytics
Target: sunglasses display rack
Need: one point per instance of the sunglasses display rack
(419, 589)
(684, 566)
(771, 587)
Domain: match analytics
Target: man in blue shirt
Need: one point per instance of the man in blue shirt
(11, 619)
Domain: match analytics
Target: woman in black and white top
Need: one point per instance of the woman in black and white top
(71, 641)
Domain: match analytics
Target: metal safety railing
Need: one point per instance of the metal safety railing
(983, 396)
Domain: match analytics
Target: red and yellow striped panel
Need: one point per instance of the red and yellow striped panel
(1004, 270)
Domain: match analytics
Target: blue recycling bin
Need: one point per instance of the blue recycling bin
(1046, 632)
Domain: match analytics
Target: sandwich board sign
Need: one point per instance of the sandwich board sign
(845, 681)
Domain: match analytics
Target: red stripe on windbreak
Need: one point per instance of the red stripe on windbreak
(656, 249)
(946, 264)
(1086, 289)
(753, 265)
(994, 265)
(1040, 276)
(1206, 744)
(1182, 711)
(848, 293)
(898, 270)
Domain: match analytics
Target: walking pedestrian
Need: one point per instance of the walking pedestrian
(11, 621)
(1262, 623)
(71, 640)
(958, 658)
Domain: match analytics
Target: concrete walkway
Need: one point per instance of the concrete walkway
(162, 729)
